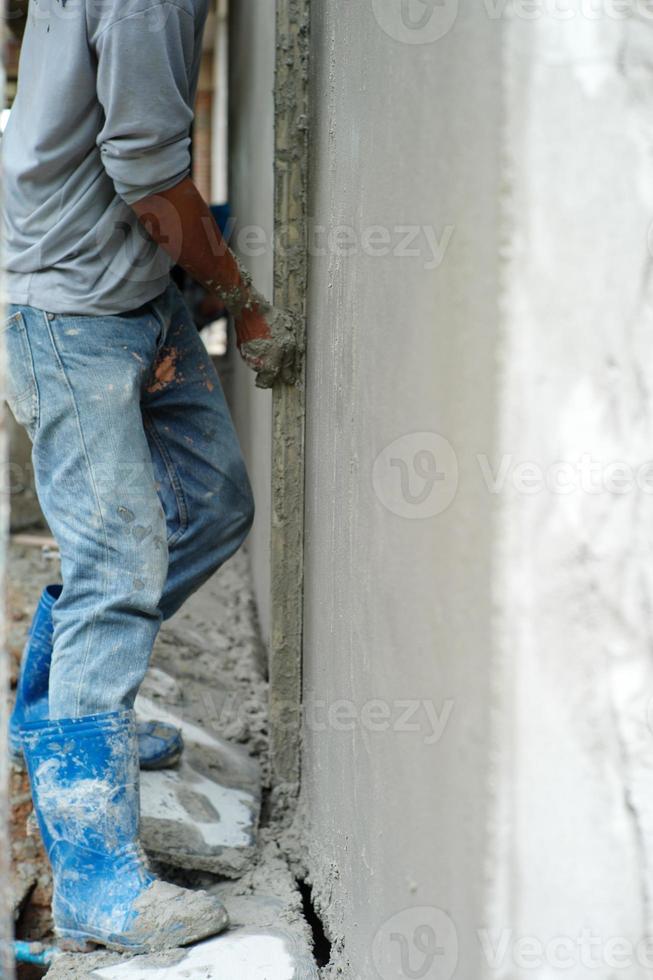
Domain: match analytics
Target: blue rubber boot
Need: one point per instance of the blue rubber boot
(84, 778)
(32, 691)
(160, 745)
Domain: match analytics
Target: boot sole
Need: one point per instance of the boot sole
(76, 941)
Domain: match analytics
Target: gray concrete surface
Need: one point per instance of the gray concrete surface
(398, 600)
(251, 192)
(206, 678)
(477, 673)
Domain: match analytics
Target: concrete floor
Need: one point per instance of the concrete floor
(201, 822)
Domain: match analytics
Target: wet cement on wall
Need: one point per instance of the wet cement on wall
(291, 121)
(405, 139)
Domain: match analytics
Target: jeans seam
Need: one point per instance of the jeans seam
(173, 476)
(97, 500)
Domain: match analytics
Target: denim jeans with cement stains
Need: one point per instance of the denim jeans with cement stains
(140, 477)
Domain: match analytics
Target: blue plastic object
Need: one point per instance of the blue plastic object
(222, 216)
(32, 691)
(160, 745)
(84, 779)
(34, 953)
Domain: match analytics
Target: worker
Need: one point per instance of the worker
(138, 469)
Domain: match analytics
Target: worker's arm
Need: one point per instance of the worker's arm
(142, 86)
(180, 222)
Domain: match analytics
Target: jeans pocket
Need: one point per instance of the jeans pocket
(21, 390)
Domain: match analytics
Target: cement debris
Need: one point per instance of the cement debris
(268, 938)
(207, 680)
(208, 677)
(165, 909)
(192, 821)
(246, 954)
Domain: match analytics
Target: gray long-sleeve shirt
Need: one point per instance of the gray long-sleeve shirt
(101, 120)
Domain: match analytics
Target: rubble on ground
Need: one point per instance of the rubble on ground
(200, 820)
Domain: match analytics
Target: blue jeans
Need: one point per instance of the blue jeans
(140, 477)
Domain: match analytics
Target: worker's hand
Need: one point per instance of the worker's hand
(266, 340)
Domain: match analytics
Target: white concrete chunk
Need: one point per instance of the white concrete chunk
(243, 955)
(203, 814)
(223, 816)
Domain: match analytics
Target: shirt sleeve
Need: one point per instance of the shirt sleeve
(143, 87)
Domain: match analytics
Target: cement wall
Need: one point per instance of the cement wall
(406, 144)
(525, 612)
(477, 668)
(251, 194)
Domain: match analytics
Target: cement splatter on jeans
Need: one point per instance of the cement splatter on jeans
(139, 475)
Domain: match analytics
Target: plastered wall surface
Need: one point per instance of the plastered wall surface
(518, 842)
(574, 586)
(251, 150)
(477, 649)
(402, 376)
